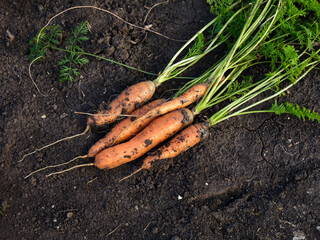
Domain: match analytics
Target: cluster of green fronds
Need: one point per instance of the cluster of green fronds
(298, 28)
(300, 18)
(300, 112)
(240, 88)
(220, 8)
(44, 40)
(197, 47)
(73, 58)
(51, 38)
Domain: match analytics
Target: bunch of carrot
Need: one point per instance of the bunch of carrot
(148, 126)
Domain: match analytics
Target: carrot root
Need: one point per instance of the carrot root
(51, 144)
(130, 175)
(69, 169)
(125, 103)
(180, 143)
(157, 131)
(54, 166)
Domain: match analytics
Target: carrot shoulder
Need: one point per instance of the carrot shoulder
(125, 103)
(180, 143)
(111, 137)
(157, 131)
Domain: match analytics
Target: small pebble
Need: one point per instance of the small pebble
(179, 197)
(69, 214)
(10, 37)
(298, 235)
(43, 116)
(63, 115)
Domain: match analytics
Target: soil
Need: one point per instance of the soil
(255, 177)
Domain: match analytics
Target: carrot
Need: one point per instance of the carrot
(125, 103)
(190, 96)
(111, 137)
(156, 132)
(180, 143)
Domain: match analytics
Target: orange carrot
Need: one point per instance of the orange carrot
(111, 137)
(180, 143)
(125, 103)
(156, 132)
(190, 96)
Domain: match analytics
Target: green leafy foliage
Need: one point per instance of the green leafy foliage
(69, 65)
(44, 40)
(298, 28)
(237, 88)
(221, 8)
(300, 112)
(50, 38)
(197, 47)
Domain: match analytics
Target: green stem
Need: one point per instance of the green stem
(106, 59)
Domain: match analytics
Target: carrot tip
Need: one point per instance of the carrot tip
(69, 169)
(53, 143)
(129, 176)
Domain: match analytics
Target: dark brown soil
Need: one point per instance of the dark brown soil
(255, 177)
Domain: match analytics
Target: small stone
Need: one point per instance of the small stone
(43, 116)
(179, 197)
(298, 235)
(10, 37)
(69, 214)
(63, 115)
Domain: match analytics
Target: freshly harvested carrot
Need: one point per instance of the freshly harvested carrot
(111, 137)
(180, 143)
(156, 132)
(190, 96)
(129, 99)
